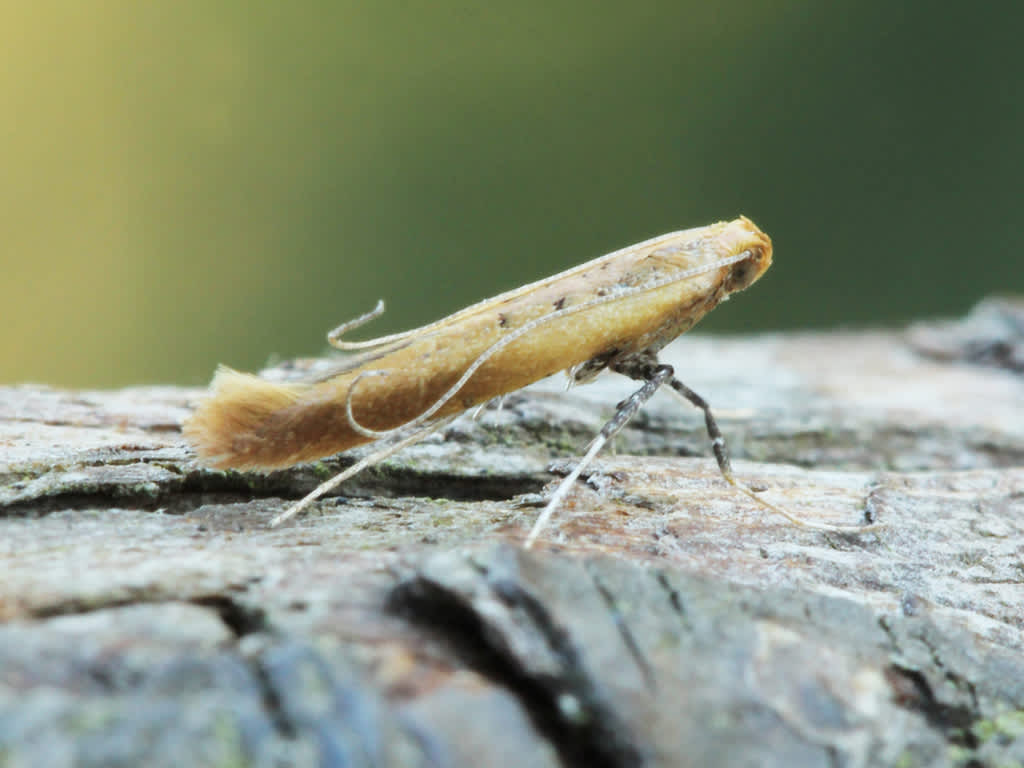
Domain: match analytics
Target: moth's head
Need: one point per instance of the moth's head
(745, 237)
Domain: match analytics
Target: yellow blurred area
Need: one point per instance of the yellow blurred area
(189, 183)
(110, 112)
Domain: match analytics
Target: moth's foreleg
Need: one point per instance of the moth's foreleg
(717, 438)
(725, 467)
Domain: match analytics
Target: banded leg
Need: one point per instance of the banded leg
(656, 376)
(725, 466)
(717, 439)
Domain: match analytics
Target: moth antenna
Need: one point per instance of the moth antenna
(334, 337)
(517, 334)
(688, 396)
(335, 340)
(356, 426)
(359, 466)
(800, 522)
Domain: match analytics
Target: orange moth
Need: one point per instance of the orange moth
(615, 312)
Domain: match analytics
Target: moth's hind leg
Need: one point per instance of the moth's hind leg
(656, 375)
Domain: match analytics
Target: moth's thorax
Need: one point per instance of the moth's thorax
(690, 297)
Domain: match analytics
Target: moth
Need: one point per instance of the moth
(613, 313)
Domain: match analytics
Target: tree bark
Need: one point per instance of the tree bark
(150, 616)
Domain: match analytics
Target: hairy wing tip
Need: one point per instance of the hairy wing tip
(224, 428)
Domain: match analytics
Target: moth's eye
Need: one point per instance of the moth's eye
(743, 273)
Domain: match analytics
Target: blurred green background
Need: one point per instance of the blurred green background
(186, 183)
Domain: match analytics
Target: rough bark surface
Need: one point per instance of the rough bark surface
(149, 616)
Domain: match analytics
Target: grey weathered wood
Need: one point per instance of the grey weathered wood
(150, 617)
